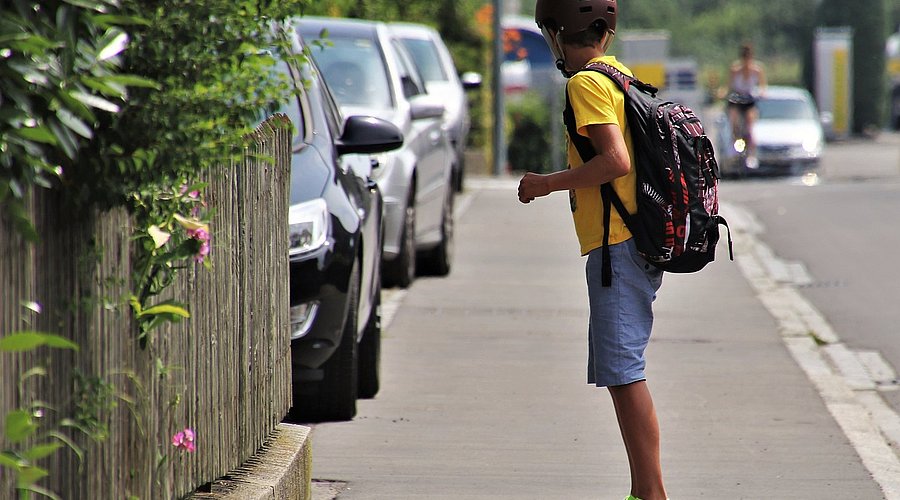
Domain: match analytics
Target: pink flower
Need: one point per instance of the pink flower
(200, 234)
(195, 194)
(184, 439)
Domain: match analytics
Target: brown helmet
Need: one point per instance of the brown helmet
(572, 16)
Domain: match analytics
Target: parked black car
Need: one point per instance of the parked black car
(336, 235)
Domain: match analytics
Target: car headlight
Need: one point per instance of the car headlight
(810, 144)
(310, 224)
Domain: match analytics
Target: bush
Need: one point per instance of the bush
(107, 98)
(529, 144)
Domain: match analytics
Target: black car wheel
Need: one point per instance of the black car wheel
(370, 350)
(439, 260)
(401, 271)
(335, 397)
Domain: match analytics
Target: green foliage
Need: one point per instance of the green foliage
(25, 444)
(216, 78)
(58, 76)
(712, 31)
(93, 399)
(529, 144)
(28, 341)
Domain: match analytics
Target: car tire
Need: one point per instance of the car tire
(370, 350)
(335, 397)
(439, 260)
(401, 271)
(458, 180)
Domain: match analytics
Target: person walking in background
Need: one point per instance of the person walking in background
(579, 32)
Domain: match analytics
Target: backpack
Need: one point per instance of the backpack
(676, 226)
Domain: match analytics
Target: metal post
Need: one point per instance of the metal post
(499, 135)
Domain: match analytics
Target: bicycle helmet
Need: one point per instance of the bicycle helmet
(556, 17)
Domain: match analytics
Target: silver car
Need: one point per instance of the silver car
(436, 65)
(788, 133)
(370, 72)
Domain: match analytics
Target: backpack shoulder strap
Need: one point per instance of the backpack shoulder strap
(582, 144)
(609, 196)
(623, 81)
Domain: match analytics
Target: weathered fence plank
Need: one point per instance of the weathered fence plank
(225, 372)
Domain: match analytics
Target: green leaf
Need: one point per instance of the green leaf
(68, 442)
(135, 305)
(7, 459)
(114, 20)
(59, 342)
(27, 341)
(114, 47)
(38, 134)
(96, 102)
(65, 138)
(133, 81)
(165, 309)
(20, 342)
(74, 123)
(105, 87)
(30, 474)
(41, 451)
(32, 43)
(19, 426)
(42, 491)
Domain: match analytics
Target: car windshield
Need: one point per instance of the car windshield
(785, 109)
(354, 71)
(426, 58)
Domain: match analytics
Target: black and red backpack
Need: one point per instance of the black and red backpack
(676, 226)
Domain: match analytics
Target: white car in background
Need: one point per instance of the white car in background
(370, 72)
(788, 133)
(431, 56)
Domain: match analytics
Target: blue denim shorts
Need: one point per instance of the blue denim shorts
(621, 315)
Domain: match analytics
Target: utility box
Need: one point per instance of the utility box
(646, 52)
(833, 58)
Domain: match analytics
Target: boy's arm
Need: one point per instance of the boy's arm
(611, 162)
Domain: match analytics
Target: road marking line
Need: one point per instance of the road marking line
(867, 421)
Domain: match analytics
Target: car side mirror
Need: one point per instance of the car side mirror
(367, 135)
(422, 108)
(470, 80)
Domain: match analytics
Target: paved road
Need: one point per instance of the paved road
(843, 232)
(484, 394)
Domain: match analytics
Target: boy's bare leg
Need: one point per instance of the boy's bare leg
(640, 431)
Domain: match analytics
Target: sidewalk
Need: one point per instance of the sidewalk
(484, 393)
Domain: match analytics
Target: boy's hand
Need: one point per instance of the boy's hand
(533, 186)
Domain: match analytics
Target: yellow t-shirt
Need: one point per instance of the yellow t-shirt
(596, 100)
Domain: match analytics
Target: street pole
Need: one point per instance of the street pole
(499, 135)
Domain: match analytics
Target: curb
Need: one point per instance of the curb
(281, 469)
(843, 380)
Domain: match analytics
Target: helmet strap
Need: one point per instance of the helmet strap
(561, 56)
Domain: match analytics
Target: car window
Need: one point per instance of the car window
(332, 113)
(785, 109)
(409, 74)
(426, 57)
(292, 108)
(354, 70)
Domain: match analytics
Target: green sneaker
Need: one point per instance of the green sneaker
(632, 497)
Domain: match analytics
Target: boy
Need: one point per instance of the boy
(579, 32)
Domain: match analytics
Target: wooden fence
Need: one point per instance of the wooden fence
(225, 372)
